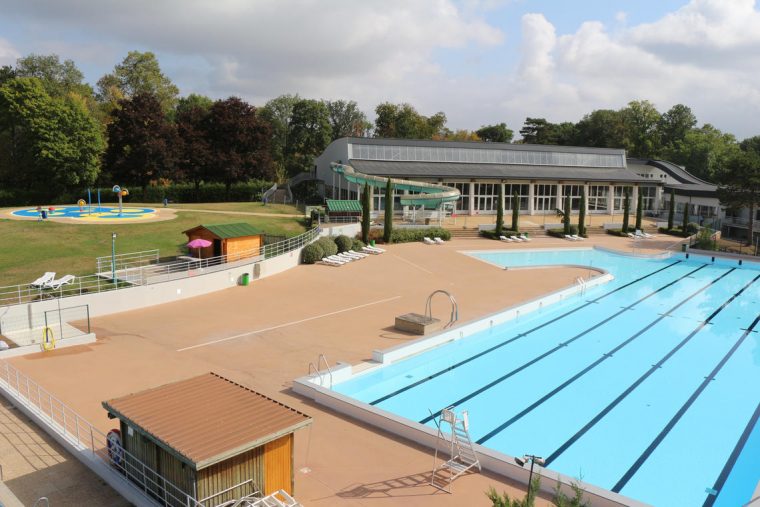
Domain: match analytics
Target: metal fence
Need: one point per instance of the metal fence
(130, 276)
(80, 433)
(108, 263)
(63, 323)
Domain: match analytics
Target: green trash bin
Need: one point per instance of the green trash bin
(246, 278)
(372, 242)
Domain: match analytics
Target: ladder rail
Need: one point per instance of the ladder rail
(454, 307)
(321, 359)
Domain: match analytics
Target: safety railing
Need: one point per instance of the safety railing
(185, 267)
(80, 433)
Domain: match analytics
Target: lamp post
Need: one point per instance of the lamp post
(113, 259)
(533, 460)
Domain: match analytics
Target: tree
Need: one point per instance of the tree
(192, 101)
(566, 215)
(674, 124)
(515, 212)
(740, 184)
(582, 214)
(639, 210)
(537, 131)
(602, 128)
(278, 112)
(48, 145)
(641, 119)
(672, 209)
(193, 150)
(309, 133)
(365, 212)
(141, 142)
(139, 73)
(388, 223)
(346, 120)
(626, 209)
(500, 211)
(404, 122)
(58, 78)
(6, 74)
(238, 141)
(703, 151)
(498, 133)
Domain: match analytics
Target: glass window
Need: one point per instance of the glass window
(597, 198)
(522, 195)
(486, 197)
(463, 204)
(619, 200)
(648, 196)
(575, 192)
(544, 197)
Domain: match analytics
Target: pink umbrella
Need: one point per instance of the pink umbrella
(199, 243)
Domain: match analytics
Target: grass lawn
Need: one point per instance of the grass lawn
(30, 248)
(253, 207)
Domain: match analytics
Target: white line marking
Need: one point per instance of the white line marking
(413, 264)
(293, 323)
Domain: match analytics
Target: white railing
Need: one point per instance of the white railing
(108, 263)
(80, 433)
(129, 277)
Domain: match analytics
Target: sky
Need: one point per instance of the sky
(479, 61)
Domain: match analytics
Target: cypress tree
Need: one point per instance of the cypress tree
(388, 225)
(500, 211)
(582, 215)
(672, 210)
(566, 217)
(639, 210)
(515, 212)
(626, 209)
(365, 213)
(685, 218)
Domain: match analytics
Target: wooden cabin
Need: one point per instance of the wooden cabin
(341, 208)
(236, 241)
(211, 438)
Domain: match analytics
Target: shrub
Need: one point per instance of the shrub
(705, 241)
(493, 235)
(560, 233)
(410, 235)
(328, 246)
(692, 228)
(617, 232)
(357, 245)
(312, 253)
(673, 232)
(343, 243)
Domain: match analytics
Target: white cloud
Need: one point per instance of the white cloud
(8, 53)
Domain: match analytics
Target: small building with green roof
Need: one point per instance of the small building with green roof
(343, 208)
(235, 241)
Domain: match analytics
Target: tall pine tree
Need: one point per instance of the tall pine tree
(388, 224)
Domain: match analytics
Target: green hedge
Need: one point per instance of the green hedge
(617, 232)
(404, 235)
(560, 233)
(328, 246)
(312, 253)
(344, 243)
(676, 231)
(504, 232)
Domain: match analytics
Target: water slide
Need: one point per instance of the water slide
(430, 195)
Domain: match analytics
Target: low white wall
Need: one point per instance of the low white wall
(59, 344)
(349, 230)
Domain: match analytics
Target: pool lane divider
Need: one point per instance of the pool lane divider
(514, 338)
(674, 420)
(593, 365)
(554, 455)
(560, 346)
(728, 467)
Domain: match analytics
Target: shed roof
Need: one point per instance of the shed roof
(344, 206)
(226, 231)
(206, 419)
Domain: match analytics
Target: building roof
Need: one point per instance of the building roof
(688, 184)
(456, 170)
(206, 419)
(482, 145)
(226, 231)
(335, 205)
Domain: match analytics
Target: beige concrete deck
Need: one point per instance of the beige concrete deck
(264, 336)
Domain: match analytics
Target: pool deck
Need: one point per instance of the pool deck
(265, 335)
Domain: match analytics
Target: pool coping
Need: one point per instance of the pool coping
(312, 386)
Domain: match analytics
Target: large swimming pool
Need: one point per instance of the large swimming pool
(648, 386)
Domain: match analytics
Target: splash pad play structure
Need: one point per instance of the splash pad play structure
(86, 211)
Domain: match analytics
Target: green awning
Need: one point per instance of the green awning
(336, 206)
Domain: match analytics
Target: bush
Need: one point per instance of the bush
(504, 232)
(704, 240)
(692, 228)
(344, 243)
(560, 233)
(676, 231)
(617, 232)
(400, 235)
(328, 246)
(357, 245)
(312, 253)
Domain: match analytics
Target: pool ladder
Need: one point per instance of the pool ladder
(314, 371)
(454, 307)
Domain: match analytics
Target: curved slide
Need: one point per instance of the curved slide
(430, 195)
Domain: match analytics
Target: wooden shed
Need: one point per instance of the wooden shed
(343, 208)
(212, 438)
(236, 241)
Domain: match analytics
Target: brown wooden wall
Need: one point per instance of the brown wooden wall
(218, 477)
(240, 248)
(278, 465)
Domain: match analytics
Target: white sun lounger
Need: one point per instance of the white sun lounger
(428, 241)
(516, 238)
(57, 284)
(576, 237)
(349, 256)
(336, 258)
(44, 279)
(630, 235)
(504, 238)
(569, 237)
(359, 254)
(524, 237)
(329, 262)
(438, 241)
(370, 250)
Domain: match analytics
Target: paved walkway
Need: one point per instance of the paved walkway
(264, 336)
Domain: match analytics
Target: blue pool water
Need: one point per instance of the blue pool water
(648, 385)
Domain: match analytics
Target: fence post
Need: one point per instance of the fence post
(87, 307)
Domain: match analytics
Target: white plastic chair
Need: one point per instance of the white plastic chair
(44, 280)
(57, 284)
(438, 241)
(428, 241)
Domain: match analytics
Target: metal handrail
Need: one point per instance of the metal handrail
(249, 481)
(322, 358)
(454, 307)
